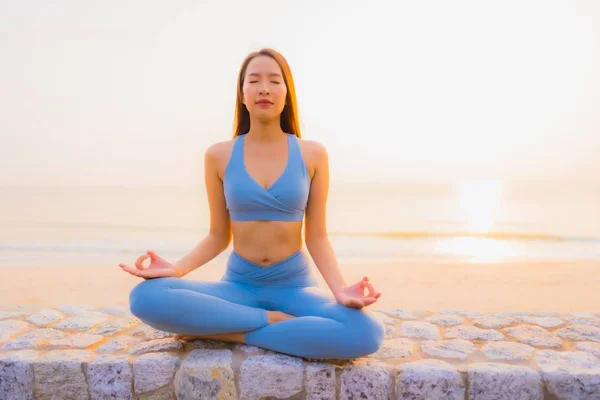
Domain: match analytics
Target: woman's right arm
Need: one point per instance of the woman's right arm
(219, 235)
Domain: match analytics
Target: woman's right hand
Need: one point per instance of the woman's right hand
(158, 267)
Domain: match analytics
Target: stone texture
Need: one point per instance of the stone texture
(110, 377)
(491, 381)
(579, 332)
(402, 314)
(206, 374)
(320, 381)
(277, 376)
(534, 336)
(123, 312)
(118, 344)
(10, 328)
(45, 317)
(419, 329)
(113, 326)
(570, 375)
(76, 341)
(503, 350)
(75, 309)
(149, 333)
(390, 331)
(59, 375)
(445, 319)
(386, 319)
(369, 380)
(586, 319)
(154, 370)
(396, 348)
(12, 314)
(545, 322)
(81, 322)
(39, 338)
(589, 347)
(163, 393)
(493, 320)
(429, 379)
(470, 332)
(449, 348)
(16, 374)
(246, 348)
(156, 345)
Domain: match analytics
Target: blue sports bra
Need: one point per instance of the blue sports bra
(284, 200)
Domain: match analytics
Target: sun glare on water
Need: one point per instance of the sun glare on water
(477, 204)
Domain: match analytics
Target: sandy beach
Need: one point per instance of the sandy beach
(507, 286)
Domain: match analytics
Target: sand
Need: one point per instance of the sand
(572, 286)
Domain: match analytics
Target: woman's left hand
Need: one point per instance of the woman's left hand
(353, 296)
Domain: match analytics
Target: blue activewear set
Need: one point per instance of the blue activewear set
(239, 302)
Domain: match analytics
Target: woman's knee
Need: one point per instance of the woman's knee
(367, 331)
(144, 298)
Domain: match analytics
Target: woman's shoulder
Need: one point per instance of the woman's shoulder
(312, 148)
(220, 149)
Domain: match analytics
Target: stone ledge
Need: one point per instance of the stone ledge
(77, 352)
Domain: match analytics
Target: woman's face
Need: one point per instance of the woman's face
(264, 90)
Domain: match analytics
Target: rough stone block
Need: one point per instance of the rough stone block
(154, 370)
(278, 376)
(59, 375)
(320, 381)
(368, 380)
(494, 381)
(429, 380)
(206, 374)
(16, 374)
(110, 377)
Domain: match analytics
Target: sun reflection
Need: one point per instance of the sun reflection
(478, 202)
(477, 250)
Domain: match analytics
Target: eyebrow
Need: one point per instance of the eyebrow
(270, 74)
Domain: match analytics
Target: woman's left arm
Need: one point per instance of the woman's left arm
(317, 240)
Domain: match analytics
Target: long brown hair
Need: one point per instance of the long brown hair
(289, 116)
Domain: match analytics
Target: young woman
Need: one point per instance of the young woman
(261, 186)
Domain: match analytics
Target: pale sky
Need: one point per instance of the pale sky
(132, 92)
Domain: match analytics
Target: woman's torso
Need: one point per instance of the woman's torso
(264, 168)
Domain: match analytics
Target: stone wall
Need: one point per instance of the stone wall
(76, 352)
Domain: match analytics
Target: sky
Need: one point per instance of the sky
(133, 92)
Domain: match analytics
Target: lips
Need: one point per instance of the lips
(264, 102)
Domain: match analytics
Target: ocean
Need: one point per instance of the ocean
(468, 221)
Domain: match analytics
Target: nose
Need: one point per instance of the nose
(264, 90)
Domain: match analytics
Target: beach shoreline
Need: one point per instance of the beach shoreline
(532, 286)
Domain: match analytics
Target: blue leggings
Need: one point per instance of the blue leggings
(239, 302)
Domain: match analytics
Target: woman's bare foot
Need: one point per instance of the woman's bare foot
(278, 316)
(237, 337)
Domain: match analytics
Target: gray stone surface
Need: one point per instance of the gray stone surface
(167, 344)
(589, 347)
(369, 380)
(276, 376)
(396, 348)
(493, 320)
(110, 377)
(544, 322)
(34, 339)
(59, 375)
(419, 329)
(429, 379)
(534, 335)
(154, 370)
(47, 353)
(16, 374)
(82, 321)
(494, 381)
(503, 350)
(470, 332)
(44, 317)
(449, 348)
(206, 374)
(11, 327)
(445, 319)
(579, 332)
(113, 326)
(570, 375)
(319, 381)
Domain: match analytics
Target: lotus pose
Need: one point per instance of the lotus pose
(261, 186)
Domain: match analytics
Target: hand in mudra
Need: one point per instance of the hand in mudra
(158, 267)
(353, 296)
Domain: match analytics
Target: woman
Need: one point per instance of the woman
(260, 185)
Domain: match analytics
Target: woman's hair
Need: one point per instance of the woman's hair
(289, 116)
